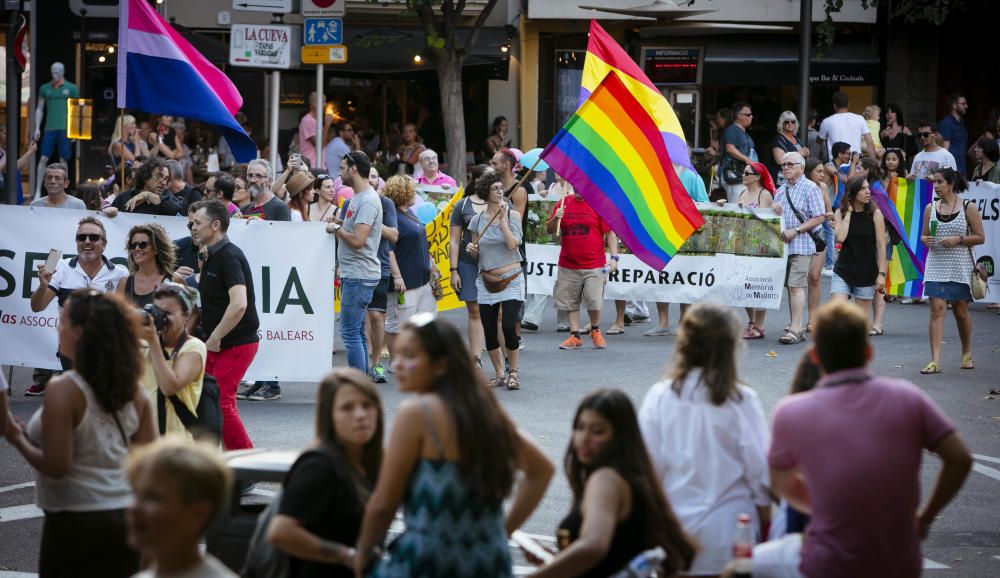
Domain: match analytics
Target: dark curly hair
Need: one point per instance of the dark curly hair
(483, 184)
(107, 353)
(146, 172)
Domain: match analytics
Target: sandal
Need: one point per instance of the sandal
(615, 331)
(513, 383)
(876, 331)
(498, 381)
(967, 362)
(931, 368)
(790, 338)
(748, 332)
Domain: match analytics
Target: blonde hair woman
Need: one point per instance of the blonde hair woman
(128, 147)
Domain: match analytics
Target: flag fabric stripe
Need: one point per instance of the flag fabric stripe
(906, 269)
(634, 233)
(610, 150)
(161, 73)
(605, 55)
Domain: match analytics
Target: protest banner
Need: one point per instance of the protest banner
(736, 258)
(292, 266)
(986, 196)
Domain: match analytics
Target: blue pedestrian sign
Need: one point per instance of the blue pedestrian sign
(318, 31)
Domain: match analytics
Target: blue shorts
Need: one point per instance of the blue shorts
(948, 290)
(840, 287)
(53, 138)
(468, 273)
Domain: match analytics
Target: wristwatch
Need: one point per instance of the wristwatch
(798, 230)
(615, 257)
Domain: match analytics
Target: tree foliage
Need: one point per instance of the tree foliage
(909, 11)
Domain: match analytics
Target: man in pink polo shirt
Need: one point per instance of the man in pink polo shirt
(848, 454)
(432, 176)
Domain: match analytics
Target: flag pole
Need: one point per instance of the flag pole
(121, 162)
(511, 190)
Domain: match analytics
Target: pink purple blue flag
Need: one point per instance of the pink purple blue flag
(161, 73)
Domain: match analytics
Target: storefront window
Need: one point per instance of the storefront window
(569, 75)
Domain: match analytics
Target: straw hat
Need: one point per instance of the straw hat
(299, 182)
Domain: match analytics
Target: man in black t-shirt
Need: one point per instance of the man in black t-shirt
(264, 206)
(185, 193)
(228, 314)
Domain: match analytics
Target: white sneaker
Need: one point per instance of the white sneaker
(827, 272)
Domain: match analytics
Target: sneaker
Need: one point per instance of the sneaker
(827, 272)
(562, 329)
(628, 319)
(479, 363)
(248, 391)
(598, 339)
(35, 390)
(377, 374)
(529, 326)
(265, 393)
(640, 319)
(572, 342)
(520, 343)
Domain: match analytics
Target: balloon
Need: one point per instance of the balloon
(426, 212)
(528, 159)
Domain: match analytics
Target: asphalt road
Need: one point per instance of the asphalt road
(965, 540)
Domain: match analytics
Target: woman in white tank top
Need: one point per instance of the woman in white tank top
(78, 440)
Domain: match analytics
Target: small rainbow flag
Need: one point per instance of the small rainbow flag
(604, 56)
(905, 277)
(612, 152)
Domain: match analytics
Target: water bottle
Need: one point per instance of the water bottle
(743, 548)
(643, 565)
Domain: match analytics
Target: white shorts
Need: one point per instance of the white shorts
(419, 300)
(778, 558)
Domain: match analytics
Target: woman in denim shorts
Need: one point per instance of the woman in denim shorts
(860, 230)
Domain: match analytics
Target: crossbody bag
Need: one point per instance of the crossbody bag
(820, 242)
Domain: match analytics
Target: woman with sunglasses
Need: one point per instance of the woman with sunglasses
(79, 440)
(451, 461)
(173, 360)
(785, 142)
(151, 261)
(323, 208)
(759, 194)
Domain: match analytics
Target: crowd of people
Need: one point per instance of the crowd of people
(677, 472)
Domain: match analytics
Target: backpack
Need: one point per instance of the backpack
(208, 421)
(263, 559)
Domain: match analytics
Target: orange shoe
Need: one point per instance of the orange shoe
(598, 339)
(572, 342)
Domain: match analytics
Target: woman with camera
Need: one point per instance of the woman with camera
(174, 361)
(77, 442)
(151, 261)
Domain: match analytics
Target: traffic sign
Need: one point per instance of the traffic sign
(324, 54)
(323, 31)
(271, 6)
(264, 45)
(322, 8)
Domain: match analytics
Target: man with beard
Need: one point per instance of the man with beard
(90, 268)
(263, 205)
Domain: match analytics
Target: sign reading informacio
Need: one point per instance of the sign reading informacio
(264, 45)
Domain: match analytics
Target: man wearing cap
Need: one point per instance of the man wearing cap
(432, 176)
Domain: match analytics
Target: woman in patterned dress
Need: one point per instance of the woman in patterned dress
(451, 460)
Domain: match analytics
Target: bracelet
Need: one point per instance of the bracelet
(961, 239)
(454, 268)
(882, 273)
(615, 257)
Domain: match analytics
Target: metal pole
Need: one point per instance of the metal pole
(13, 110)
(275, 105)
(805, 43)
(320, 119)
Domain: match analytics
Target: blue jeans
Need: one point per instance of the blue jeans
(828, 232)
(355, 295)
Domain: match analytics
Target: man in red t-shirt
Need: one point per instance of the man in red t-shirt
(582, 265)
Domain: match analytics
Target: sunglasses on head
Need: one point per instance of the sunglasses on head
(139, 245)
(92, 237)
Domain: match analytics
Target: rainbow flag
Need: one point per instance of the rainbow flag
(905, 277)
(612, 152)
(604, 55)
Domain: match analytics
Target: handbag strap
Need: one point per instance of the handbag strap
(791, 205)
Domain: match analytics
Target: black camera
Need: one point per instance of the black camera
(158, 315)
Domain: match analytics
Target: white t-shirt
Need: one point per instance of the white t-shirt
(209, 567)
(926, 162)
(70, 276)
(843, 127)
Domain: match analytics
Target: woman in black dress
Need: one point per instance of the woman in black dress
(619, 509)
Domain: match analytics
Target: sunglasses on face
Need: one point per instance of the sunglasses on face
(791, 122)
(143, 245)
(924, 134)
(92, 237)
(749, 173)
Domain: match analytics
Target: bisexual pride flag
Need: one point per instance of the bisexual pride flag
(159, 72)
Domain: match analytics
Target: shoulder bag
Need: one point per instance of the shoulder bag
(820, 242)
(207, 422)
(977, 281)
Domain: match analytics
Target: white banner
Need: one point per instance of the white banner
(987, 198)
(734, 260)
(292, 265)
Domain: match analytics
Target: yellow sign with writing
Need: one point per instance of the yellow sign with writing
(324, 54)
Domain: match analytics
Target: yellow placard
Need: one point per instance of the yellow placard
(324, 54)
